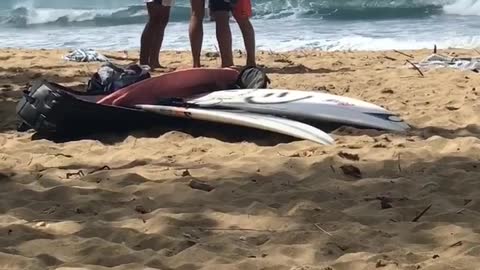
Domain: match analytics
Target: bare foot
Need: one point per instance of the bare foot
(153, 67)
(156, 65)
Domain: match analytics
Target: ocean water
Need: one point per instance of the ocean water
(280, 25)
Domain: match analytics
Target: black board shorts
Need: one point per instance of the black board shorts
(159, 2)
(221, 5)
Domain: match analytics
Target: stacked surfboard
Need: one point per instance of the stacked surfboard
(282, 111)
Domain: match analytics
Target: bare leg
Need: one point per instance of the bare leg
(162, 15)
(224, 37)
(146, 39)
(248, 34)
(196, 29)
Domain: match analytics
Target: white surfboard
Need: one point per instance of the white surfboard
(303, 104)
(264, 122)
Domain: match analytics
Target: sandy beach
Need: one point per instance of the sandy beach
(374, 200)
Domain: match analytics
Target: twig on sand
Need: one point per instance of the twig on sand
(100, 169)
(63, 155)
(30, 161)
(457, 244)
(120, 58)
(235, 229)
(320, 228)
(415, 66)
(402, 53)
(200, 186)
(476, 51)
(389, 58)
(78, 173)
(398, 164)
(422, 213)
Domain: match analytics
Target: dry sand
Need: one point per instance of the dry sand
(288, 205)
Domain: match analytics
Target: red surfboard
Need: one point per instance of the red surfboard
(176, 84)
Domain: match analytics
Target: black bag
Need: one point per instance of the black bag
(110, 78)
(252, 78)
(249, 78)
(50, 108)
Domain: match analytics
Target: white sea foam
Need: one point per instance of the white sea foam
(128, 37)
(463, 7)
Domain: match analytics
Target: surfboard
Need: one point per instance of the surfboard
(303, 104)
(177, 84)
(259, 121)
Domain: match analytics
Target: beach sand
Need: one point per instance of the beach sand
(292, 205)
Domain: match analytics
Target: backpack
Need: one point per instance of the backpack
(110, 78)
(252, 78)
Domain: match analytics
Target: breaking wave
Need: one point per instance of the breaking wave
(31, 14)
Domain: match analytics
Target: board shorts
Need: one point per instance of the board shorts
(239, 8)
(166, 3)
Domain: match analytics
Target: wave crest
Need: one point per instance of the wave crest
(463, 7)
(30, 17)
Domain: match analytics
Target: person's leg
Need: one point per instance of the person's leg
(196, 29)
(160, 17)
(224, 37)
(147, 37)
(248, 34)
(242, 13)
(221, 12)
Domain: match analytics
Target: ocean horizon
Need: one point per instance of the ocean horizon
(280, 25)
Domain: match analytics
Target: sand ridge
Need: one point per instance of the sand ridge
(125, 201)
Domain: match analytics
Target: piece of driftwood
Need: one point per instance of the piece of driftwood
(402, 53)
(389, 58)
(100, 169)
(415, 66)
(422, 213)
(321, 229)
(200, 186)
(399, 165)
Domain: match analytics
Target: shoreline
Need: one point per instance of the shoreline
(240, 53)
(132, 55)
(259, 51)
